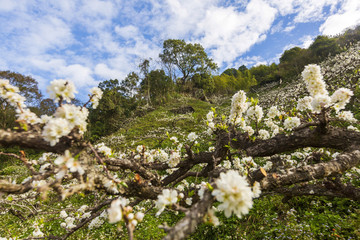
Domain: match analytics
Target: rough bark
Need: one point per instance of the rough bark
(193, 217)
(340, 139)
(341, 163)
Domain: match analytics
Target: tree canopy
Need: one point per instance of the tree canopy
(185, 58)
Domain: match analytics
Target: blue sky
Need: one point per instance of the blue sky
(91, 41)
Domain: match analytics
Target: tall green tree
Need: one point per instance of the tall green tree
(158, 85)
(146, 86)
(186, 59)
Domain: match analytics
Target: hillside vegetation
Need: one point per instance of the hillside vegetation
(162, 145)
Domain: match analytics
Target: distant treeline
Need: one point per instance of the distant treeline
(185, 68)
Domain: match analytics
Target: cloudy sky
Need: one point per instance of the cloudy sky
(88, 41)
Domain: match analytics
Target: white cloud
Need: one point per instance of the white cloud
(307, 41)
(277, 27)
(46, 34)
(289, 28)
(348, 16)
(304, 10)
(247, 61)
(229, 33)
(105, 73)
(80, 75)
(128, 32)
(7, 5)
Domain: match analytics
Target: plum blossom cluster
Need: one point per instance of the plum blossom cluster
(67, 116)
(61, 90)
(95, 96)
(166, 198)
(234, 193)
(120, 211)
(171, 156)
(65, 162)
(319, 97)
(11, 94)
(103, 149)
(291, 123)
(210, 121)
(71, 218)
(239, 105)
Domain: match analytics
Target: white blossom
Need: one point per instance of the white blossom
(37, 232)
(320, 101)
(74, 166)
(210, 116)
(238, 105)
(103, 149)
(192, 137)
(263, 134)
(95, 223)
(273, 112)
(347, 116)
(304, 103)
(188, 201)
(341, 97)
(255, 113)
(211, 217)
(234, 193)
(76, 116)
(96, 95)
(63, 214)
(55, 129)
(256, 189)
(174, 158)
(115, 213)
(139, 216)
(61, 89)
(314, 80)
(226, 164)
(291, 123)
(168, 197)
(249, 130)
(28, 116)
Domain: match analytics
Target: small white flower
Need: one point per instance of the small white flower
(320, 101)
(174, 158)
(263, 134)
(291, 123)
(37, 232)
(139, 216)
(115, 210)
(63, 214)
(256, 190)
(168, 197)
(74, 166)
(192, 137)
